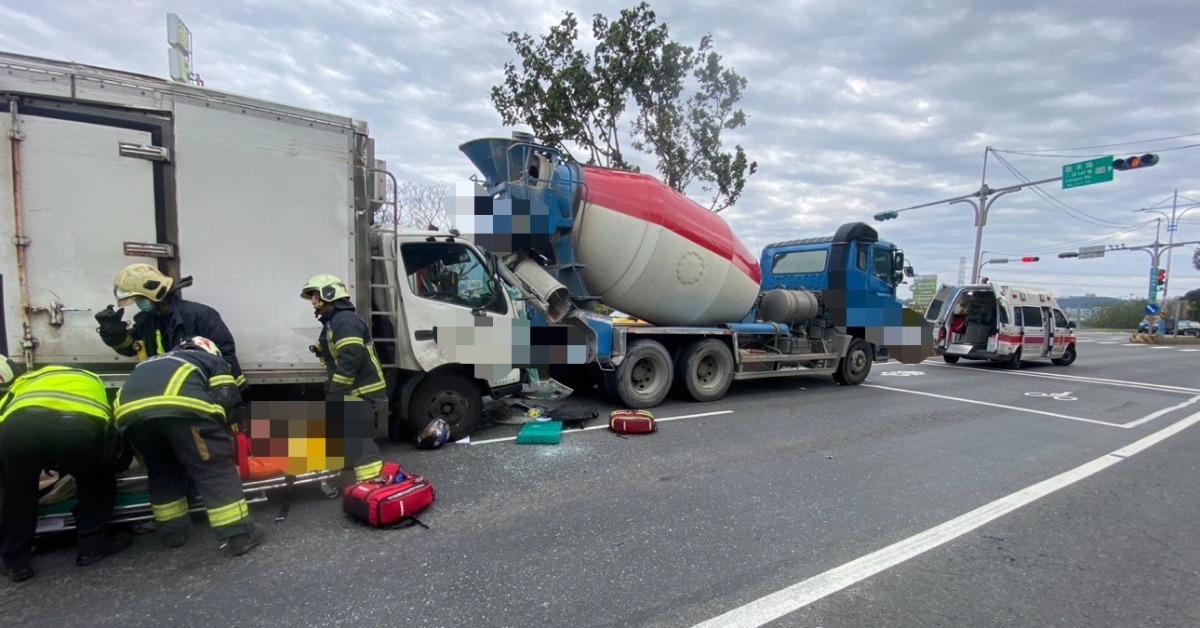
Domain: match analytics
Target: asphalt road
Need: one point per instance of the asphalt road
(932, 495)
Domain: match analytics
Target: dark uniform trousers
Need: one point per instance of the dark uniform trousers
(353, 425)
(33, 439)
(179, 447)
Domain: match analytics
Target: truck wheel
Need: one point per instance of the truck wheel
(705, 368)
(644, 377)
(853, 369)
(450, 397)
(1067, 358)
(950, 359)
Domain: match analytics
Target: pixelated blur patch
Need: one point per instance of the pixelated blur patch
(506, 343)
(307, 436)
(498, 225)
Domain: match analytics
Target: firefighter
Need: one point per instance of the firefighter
(58, 418)
(354, 376)
(172, 410)
(164, 319)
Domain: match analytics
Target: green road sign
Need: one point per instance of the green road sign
(1088, 172)
(924, 289)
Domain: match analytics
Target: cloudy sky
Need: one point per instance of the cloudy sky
(854, 107)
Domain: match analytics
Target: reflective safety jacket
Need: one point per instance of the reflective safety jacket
(59, 388)
(180, 383)
(160, 333)
(351, 366)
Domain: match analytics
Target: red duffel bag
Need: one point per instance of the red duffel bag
(632, 422)
(390, 499)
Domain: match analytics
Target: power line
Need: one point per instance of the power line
(1043, 152)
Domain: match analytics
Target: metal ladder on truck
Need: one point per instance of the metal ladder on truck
(385, 310)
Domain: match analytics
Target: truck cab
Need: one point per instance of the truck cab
(1004, 324)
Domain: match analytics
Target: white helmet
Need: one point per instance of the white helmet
(200, 343)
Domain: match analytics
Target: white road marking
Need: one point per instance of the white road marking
(797, 596)
(994, 405)
(1188, 350)
(605, 426)
(1161, 347)
(1092, 380)
(1164, 411)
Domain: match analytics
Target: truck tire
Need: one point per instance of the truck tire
(1067, 358)
(705, 370)
(644, 377)
(450, 397)
(854, 368)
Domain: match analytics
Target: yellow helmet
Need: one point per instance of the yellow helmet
(6, 371)
(329, 287)
(140, 280)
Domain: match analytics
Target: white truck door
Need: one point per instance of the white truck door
(80, 201)
(455, 313)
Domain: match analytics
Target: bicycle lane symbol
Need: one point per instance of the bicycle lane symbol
(1061, 396)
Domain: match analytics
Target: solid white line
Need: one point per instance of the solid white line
(1155, 415)
(771, 607)
(994, 405)
(605, 426)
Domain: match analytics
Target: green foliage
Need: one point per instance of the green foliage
(1193, 304)
(1124, 314)
(567, 95)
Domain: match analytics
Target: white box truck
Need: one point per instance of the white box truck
(104, 168)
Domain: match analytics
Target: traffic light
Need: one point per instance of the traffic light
(1162, 277)
(1027, 260)
(881, 216)
(1135, 161)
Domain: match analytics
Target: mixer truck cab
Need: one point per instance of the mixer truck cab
(1004, 324)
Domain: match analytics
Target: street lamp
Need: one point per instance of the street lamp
(1172, 227)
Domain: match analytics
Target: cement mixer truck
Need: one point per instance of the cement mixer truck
(708, 313)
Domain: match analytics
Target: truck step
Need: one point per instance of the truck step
(785, 357)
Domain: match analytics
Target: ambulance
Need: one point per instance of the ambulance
(1005, 324)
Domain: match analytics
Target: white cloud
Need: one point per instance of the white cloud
(854, 108)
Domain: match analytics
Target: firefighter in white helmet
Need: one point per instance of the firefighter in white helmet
(164, 318)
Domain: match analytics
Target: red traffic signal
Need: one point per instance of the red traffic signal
(1162, 276)
(1027, 260)
(1135, 161)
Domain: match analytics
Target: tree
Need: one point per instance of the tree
(422, 206)
(567, 95)
(1192, 298)
(1125, 314)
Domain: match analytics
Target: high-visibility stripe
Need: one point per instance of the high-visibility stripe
(344, 380)
(240, 381)
(368, 389)
(176, 382)
(169, 511)
(67, 402)
(186, 403)
(353, 340)
(368, 471)
(221, 380)
(229, 514)
(50, 371)
(158, 340)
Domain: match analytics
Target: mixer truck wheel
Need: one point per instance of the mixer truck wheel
(705, 368)
(450, 397)
(644, 377)
(853, 369)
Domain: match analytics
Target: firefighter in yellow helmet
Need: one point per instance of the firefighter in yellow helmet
(59, 418)
(173, 410)
(354, 377)
(164, 318)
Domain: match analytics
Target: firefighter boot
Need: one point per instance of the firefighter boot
(239, 544)
(115, 544)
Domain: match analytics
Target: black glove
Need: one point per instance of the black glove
(113, 331)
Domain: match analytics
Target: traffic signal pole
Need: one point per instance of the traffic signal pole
(981, 201)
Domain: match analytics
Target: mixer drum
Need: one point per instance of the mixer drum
(656, 254)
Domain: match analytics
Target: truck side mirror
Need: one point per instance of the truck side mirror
(1070, 324)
